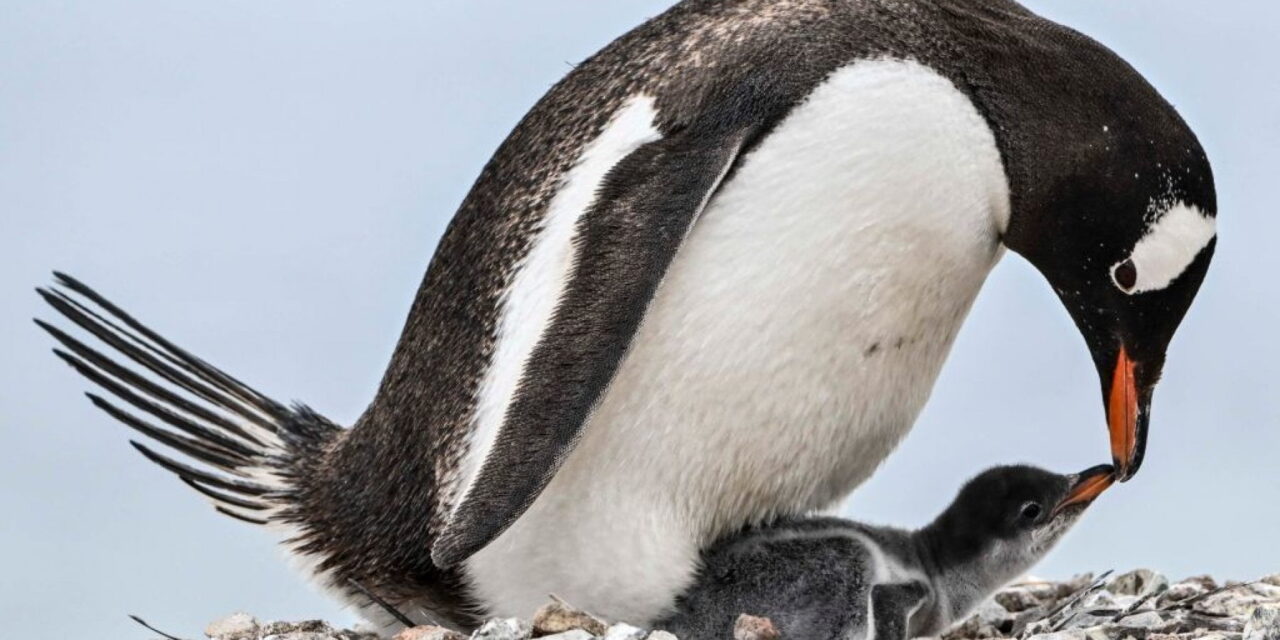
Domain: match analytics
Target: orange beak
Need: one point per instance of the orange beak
(1088, 486)
(1122, 414)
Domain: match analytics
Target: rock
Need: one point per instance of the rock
(1273, 580)
(753, 628)
(557, 617)
(1140, 582)
(306, 626)
(428, 632)
(660, 635)
(572, 634)
(1143, 620)
(1184, 590)
(1074, 634)
(237, 626)
(1017, 599)
(1232, 603)
(623, 632)
(1264, 623)
(504, 629)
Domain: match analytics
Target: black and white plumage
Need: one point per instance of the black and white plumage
(709, 281)
(833, 579)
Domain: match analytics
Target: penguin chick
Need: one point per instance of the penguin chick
(819, 578)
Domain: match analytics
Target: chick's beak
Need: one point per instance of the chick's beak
(1087, 486)
(1124, 417)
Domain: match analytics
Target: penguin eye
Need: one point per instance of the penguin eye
(1125, 275)
(1031, 511)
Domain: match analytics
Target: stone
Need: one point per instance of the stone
(1139, 582)
(660, 635)
(754, 628)
(623, 632)
(1264, 623)
(504, 629)
(1232, 603)
(237, 626)
(572, 634)
(557, 617)
(1180, 591)
(1017, 599)
(428, 632)
(1142, 620)
(1073, 634)
(306, 626)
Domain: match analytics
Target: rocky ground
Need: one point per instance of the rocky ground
(1139, 605)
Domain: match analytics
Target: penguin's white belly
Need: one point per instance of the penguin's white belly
(791, 345)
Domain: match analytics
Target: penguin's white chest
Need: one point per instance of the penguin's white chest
(791, 345)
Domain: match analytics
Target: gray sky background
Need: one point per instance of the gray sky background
(263, 182)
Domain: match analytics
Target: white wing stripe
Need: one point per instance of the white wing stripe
(541, 281)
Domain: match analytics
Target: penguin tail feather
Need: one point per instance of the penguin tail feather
(247, 453)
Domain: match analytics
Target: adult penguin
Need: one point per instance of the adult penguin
(709, 280)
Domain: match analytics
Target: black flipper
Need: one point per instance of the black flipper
(891, 608)
(625, 242)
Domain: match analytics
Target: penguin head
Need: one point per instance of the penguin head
(1007, 518)
(1117, 210)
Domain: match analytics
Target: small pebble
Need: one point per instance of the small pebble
(660, 635)
(236, 626)
(558, 617)
(504, 629)
(1139, 582)
(1017, 599)
(572, 634)
(428, 632)
(754, 628)
(623, 632)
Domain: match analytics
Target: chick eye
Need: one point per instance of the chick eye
(1031, 511)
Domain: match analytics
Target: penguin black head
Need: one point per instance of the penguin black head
(1112, 200)
(1009, 517)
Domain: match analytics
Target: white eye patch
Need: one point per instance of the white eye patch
(1166, 250)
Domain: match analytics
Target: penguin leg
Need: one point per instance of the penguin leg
(892, 606)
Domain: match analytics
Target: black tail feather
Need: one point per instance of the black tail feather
(188, 471)
(226, 498)
(224, 460)
(239, 516)
(136, 381)
(190, 362)
(251, 444)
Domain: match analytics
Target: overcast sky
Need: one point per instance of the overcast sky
(264, 182)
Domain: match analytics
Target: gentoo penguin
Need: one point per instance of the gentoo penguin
(828, 579)
(708, 281)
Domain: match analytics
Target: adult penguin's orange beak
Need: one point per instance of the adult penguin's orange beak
(1127, 409)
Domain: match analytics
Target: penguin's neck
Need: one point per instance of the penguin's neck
(963, 571)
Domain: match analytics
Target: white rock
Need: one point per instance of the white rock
(504, 629)
(1073, 634)
(429, 632)
(660, 635)
(1264, 624)
(572, 634)
(991, 612)
(623, 632)
(233, 627)
(1139, 582)
(1143, 620)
